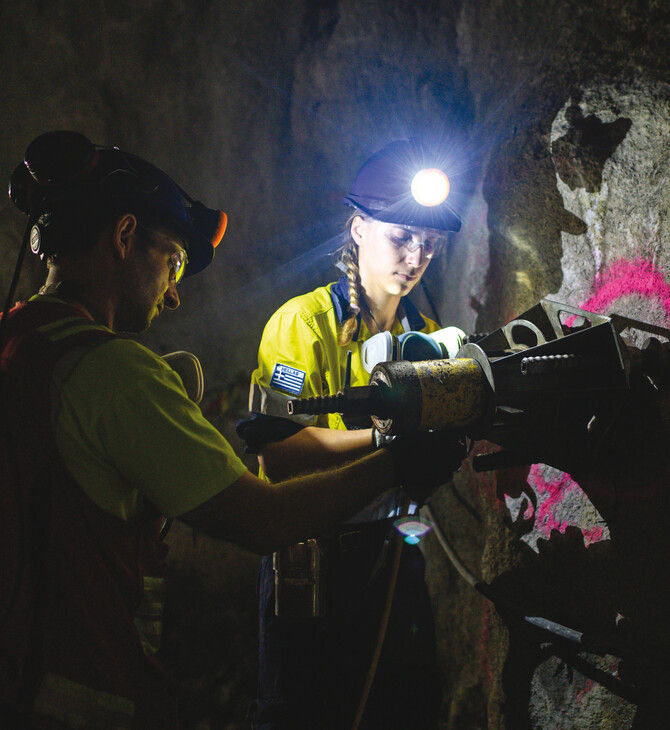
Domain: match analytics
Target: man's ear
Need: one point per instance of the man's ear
(124, 234)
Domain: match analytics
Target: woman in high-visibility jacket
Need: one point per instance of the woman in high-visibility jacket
(318, 630)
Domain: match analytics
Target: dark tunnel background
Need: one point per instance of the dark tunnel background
(556, 119)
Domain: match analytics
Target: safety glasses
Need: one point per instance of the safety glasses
(410, 239)
(176, 260)
(177, 263)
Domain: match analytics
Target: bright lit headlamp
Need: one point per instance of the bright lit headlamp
(430, 187)
(403, 183)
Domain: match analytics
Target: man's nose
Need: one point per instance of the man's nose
(171, 297)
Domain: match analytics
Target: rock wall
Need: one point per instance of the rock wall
(555, 119)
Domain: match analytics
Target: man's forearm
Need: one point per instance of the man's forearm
(311, 449)
(263, 517)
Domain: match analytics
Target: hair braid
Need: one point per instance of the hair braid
(349, 258)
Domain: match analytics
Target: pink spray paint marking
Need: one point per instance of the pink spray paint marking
(552, 494)
(623, 278)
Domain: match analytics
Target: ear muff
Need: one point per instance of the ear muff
(42, 227)
(36, 239)
(23, 190)
(60, 156)
(414, 346)
(50, 159)
(449, 340)
(417, 346)
(379, 348)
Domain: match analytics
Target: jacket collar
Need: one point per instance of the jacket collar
(339, 293)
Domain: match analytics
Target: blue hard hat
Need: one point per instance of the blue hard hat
(383, 188)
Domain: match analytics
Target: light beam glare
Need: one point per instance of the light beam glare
(413, 528)
(430, 187)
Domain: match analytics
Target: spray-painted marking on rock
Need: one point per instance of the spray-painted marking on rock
(560, 501)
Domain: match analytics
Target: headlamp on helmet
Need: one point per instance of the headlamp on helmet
(404, 183)
(430, 187)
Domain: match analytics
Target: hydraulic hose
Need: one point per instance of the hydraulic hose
(383, 626)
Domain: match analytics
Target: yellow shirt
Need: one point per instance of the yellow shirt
(128, 432)
(299, 356)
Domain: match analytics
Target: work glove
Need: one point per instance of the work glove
(424, 460)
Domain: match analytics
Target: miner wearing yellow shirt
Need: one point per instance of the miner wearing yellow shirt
(315, 659)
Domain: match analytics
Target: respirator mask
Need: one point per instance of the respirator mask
(413, 346)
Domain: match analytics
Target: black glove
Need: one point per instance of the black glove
(424, 460)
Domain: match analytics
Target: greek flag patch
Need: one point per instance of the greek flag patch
(288, 379)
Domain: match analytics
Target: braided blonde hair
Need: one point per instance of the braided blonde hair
(349, 257)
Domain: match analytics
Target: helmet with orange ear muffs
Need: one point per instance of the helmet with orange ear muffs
(63, 170)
